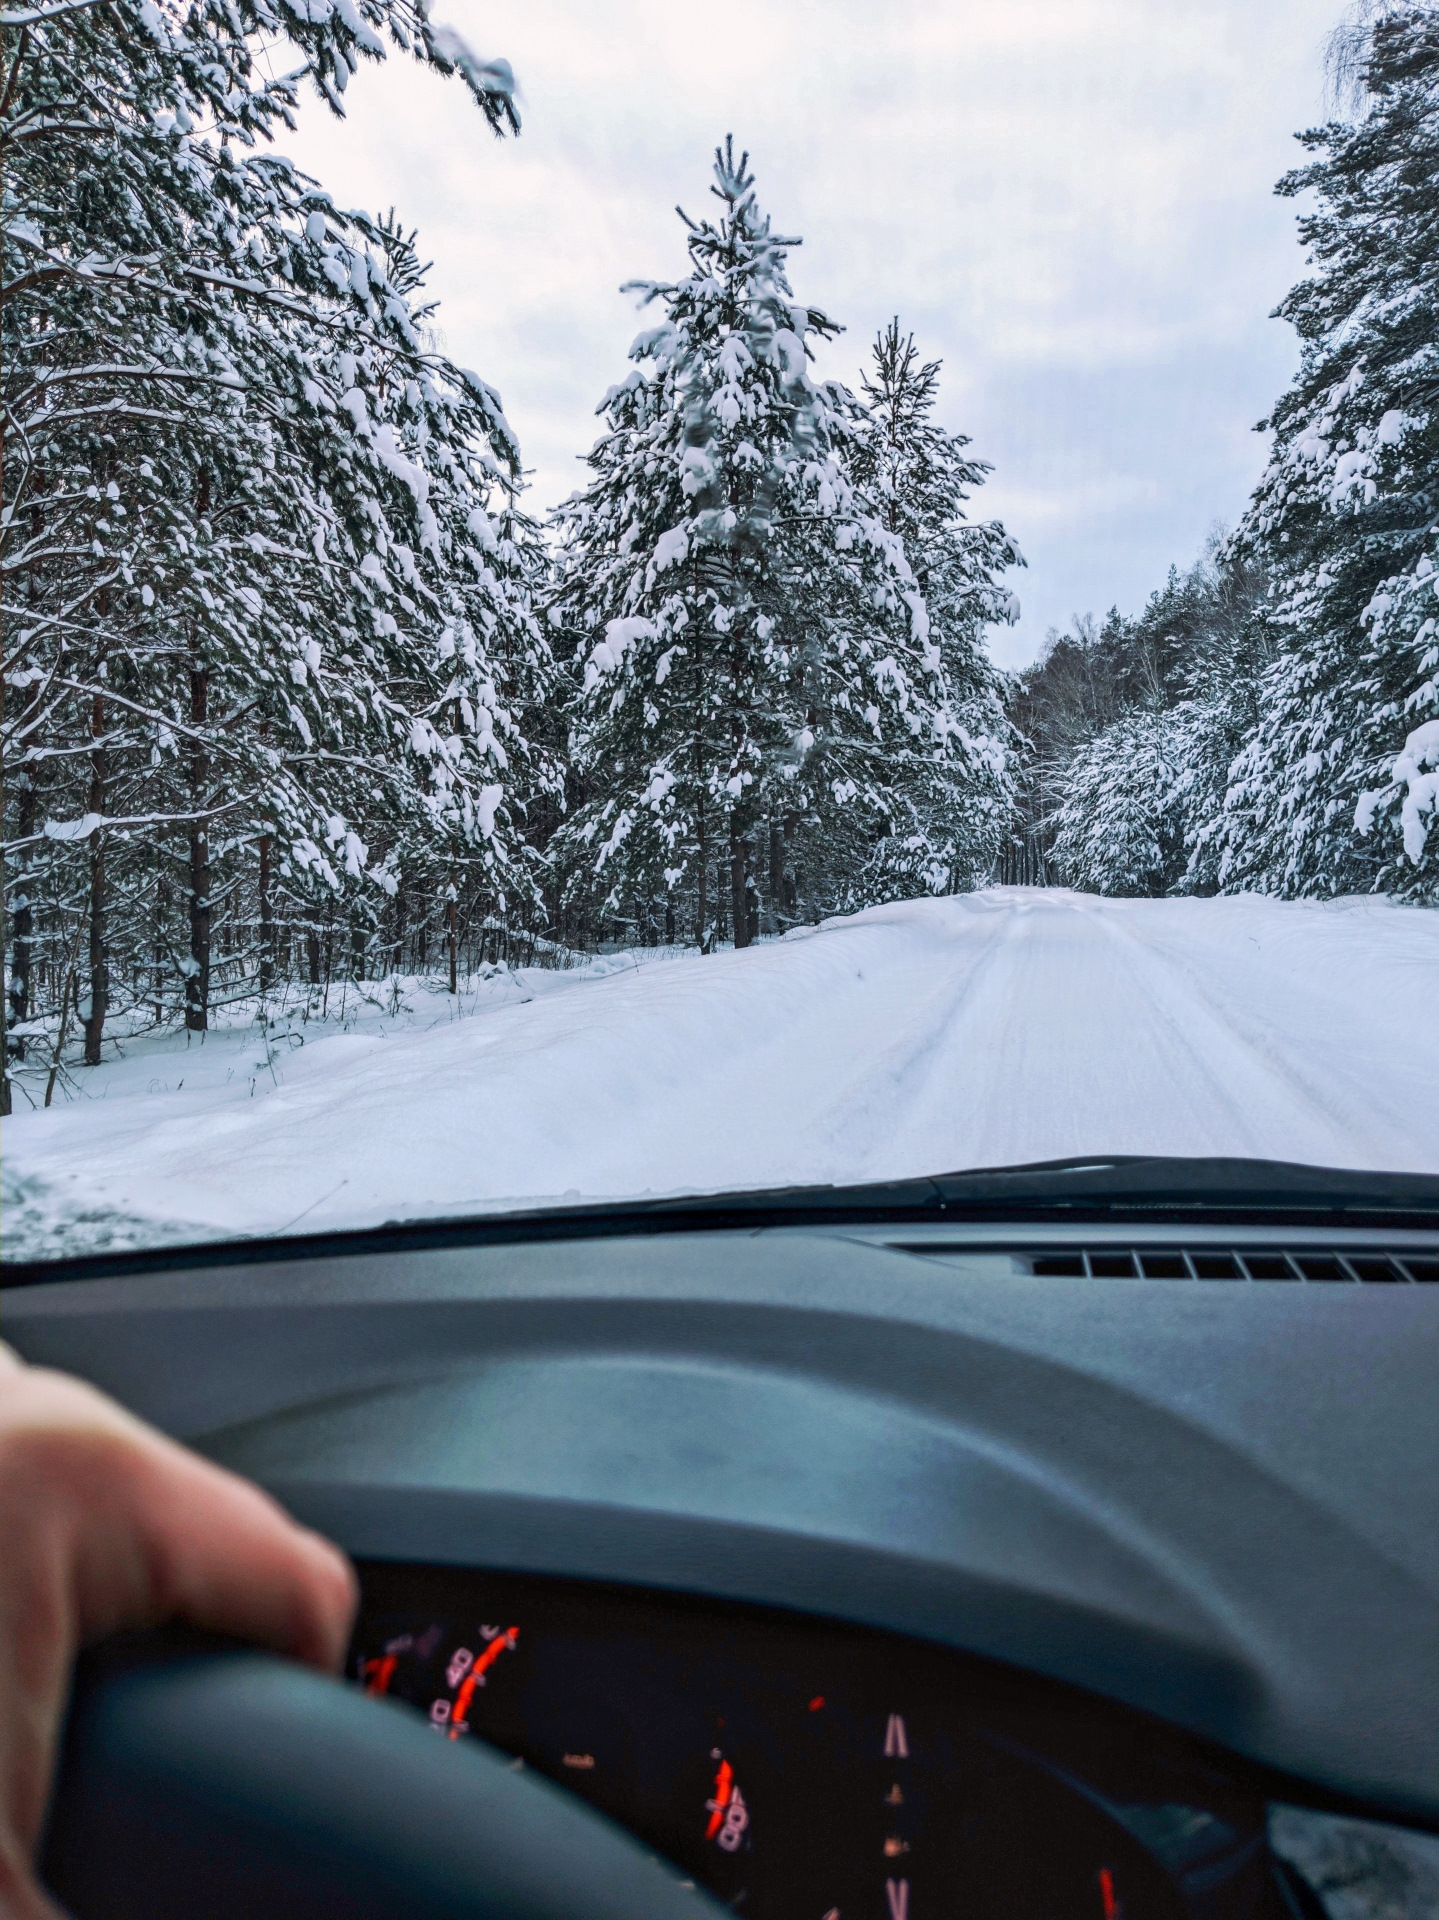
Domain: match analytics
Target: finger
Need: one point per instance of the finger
(157, 1533)
(227, 1557)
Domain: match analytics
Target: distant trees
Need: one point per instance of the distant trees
(771, 722)
(1130, 729)
(1271, 722)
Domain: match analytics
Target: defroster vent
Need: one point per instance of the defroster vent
(1381, 1268)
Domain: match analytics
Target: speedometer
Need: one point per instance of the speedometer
(409, 1664)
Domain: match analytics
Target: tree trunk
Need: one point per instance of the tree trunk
(99, 972)
(739, 899)
(312, 953)
(399, 960)
(197, 979)
(268, 941)
(23, 923)
(162, 915)
(702, 910)
(452, 932)
(267, 919)
(4, 1048)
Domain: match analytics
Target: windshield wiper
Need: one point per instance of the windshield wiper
(1113, 1187)
(1092, 1187)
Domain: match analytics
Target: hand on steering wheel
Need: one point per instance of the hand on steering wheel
(106, 1524)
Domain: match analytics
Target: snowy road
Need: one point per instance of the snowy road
(992, 1029)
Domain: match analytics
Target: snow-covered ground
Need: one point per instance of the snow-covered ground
(987, 1030)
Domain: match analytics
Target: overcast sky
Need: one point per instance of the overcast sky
(1069, 201)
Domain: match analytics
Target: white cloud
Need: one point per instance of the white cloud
(1068, 200)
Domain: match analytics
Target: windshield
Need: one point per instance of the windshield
(925, 658)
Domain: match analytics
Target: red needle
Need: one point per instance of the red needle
(487, 1659)
(379, 1673)
(723, 1780)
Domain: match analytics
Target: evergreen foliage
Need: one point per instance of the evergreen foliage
(1336, 788)
(761, 683)
(269, 648)
(916, 478)
(1138, 721)
(1115, 830)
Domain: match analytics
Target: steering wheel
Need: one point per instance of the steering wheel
(223, 1785)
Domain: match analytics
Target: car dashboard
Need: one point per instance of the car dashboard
(866, 1571)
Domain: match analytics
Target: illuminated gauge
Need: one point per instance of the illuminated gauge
(465, 1672)
(437, 1671)
(728, 1815)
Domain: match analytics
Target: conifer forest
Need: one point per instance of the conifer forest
(298, 687)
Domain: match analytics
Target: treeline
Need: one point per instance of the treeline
(294, 687)
(1131, 726)
(1271, 721)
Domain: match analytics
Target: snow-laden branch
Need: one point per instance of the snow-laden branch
(68, 832)
(40, 16)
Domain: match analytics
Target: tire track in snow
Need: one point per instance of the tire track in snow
(826, 1084)
(862, 1117)
(1007, 1083)
(1261, 1092)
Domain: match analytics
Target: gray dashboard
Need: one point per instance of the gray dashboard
(1217, 1503)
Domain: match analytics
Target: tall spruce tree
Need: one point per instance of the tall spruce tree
(1118, 830)
(916, 477)
(1336, 788)
(757, 665)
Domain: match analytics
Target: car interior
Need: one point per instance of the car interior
(1025, 1545)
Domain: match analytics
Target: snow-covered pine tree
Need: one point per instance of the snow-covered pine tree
(749, 637)
(1118, 830)
(916, 477)
(1337, 787)
(1217, 644)
(258, 615)
(409, 649)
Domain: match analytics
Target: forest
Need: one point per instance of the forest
(297, 688)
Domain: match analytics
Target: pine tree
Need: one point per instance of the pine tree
(1336, 788)
(752, 645)
(1119, 829)
(916, 477)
